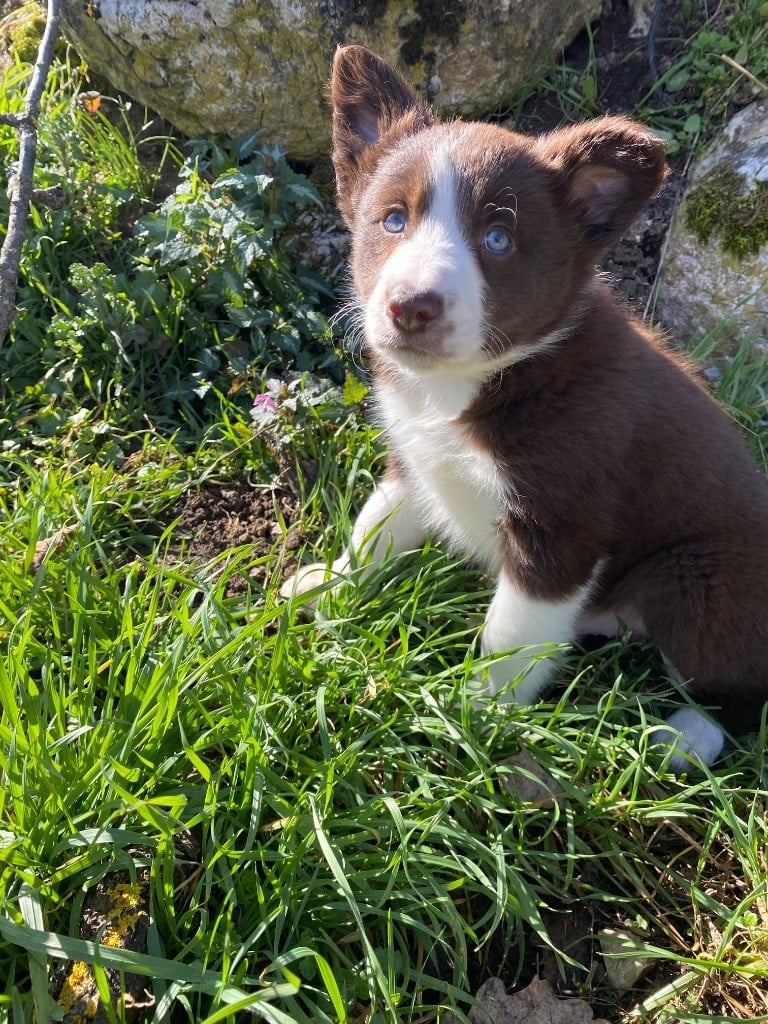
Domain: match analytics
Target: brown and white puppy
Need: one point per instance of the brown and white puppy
(533, 423)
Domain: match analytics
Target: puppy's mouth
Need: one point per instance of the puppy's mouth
(429, 342)
(414, 329)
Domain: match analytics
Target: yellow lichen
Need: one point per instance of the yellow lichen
(77, 985)
(126, 909)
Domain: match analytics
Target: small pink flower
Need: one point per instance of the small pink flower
(265, 403)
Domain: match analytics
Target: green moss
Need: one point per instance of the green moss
(25, 36)
(723, 205)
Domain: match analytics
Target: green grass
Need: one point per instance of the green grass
(330, 830)
(361, 846)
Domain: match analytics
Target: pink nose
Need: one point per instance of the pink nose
(413, 313)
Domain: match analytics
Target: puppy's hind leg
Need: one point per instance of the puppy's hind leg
(703, 604)
(388, 524)
(695, 739)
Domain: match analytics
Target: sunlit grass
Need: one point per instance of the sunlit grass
(361, 831)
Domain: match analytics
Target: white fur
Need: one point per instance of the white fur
(695, 739)
(457, 489)
(388, 524)
(516, 620)
(436, 258)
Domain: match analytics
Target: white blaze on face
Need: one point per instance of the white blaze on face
(434, 257)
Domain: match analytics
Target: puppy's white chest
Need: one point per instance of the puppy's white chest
(457, 487)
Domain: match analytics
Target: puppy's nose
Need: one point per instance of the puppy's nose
(413, 313)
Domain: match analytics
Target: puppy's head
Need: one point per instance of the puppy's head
(472, 245)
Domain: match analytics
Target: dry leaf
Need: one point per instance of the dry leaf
(536, 1004)
(90, 101)
(44, 547)
(622, 969)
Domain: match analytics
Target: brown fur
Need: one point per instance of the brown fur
(615, 451)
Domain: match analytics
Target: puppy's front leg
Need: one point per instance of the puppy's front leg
(516, 619)
(388, 523)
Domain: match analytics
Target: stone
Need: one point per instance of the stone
(529, 782)
(234, 66)
(536, 1004)
(714, 273)
(642, 12)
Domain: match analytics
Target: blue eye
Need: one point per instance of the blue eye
(497, 241)
(394, 223)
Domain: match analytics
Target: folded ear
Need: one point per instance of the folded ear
(610, 169)
(371, 104)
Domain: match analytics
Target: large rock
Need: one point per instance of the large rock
(234, 65)
(715, 270)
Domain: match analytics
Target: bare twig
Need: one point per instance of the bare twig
(20, 180)
(762, 86)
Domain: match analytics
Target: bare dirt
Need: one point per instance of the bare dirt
(219, 517)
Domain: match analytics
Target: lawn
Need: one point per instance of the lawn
(220, 803)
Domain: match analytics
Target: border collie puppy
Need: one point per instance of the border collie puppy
(534, 424)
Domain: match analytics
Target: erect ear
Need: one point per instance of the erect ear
(611, 168)
(371, 103)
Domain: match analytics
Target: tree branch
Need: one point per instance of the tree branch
(20, 180)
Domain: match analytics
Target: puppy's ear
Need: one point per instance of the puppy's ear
(372, 105)
(610, 169)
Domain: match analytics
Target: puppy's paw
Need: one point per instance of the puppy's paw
(315, 576)
(309, 577)
(694, 739)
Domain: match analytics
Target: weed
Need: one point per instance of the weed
(131, 315)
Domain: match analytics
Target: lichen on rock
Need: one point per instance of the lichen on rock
(714, 275)
(725, 206)
(234, 66)
(116, 914)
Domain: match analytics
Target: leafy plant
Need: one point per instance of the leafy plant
(726, 63)
(226, 247)
(130, 315)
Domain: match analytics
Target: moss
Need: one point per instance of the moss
(22, 33)
(723, 205)
(26, 34)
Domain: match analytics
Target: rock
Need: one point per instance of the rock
(536, 1004)
(642, 17)
(715, 268)
(116, 914)
(231, 66)
(624, 965)
(529, 782)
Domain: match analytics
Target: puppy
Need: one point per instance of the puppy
(533, 423)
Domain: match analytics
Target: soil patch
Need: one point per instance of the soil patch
(220, 517)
